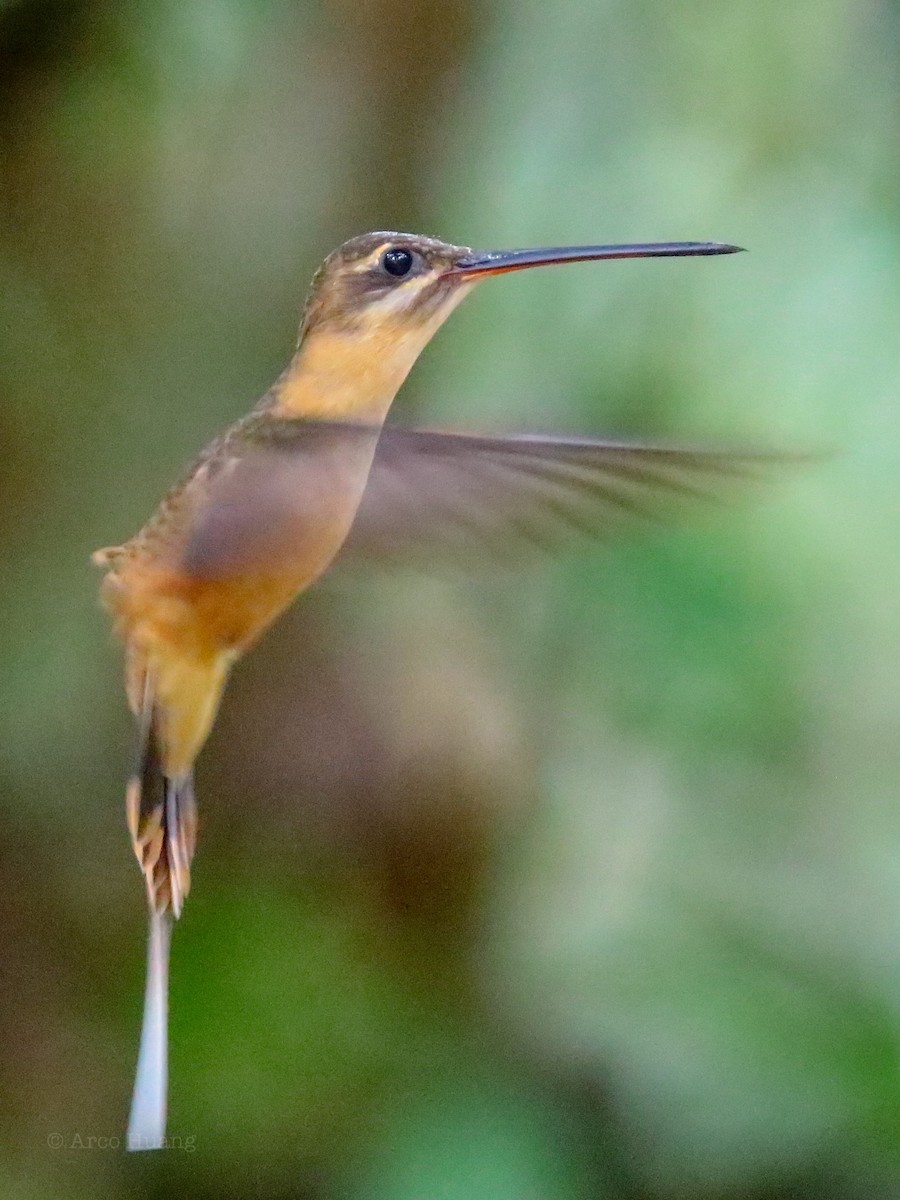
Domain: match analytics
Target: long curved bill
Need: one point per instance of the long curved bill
(498, 262)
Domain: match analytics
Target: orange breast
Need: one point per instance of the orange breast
(157, 605)
(184, 634)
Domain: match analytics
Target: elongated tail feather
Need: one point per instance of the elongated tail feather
(149, 1102)
(163, 822)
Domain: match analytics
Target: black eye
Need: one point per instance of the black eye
(397, 262)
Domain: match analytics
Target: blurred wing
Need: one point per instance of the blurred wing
(284, 487)
(275, 496)
(434, 493)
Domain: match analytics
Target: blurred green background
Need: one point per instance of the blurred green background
(584, 884)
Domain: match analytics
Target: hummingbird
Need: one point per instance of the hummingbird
(311, 475)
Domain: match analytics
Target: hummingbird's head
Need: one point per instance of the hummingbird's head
(383, 282)
(406, 282)
(377, 300)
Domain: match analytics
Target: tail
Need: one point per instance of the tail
(149, 1101)
(162, 819)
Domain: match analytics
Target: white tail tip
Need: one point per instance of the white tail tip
(147, 1121)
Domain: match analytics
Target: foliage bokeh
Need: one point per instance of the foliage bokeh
(583, 884)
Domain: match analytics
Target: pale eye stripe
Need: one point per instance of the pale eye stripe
(401, 296)
(366, 264)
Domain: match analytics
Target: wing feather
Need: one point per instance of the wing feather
(429, 494)
(429, 489)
